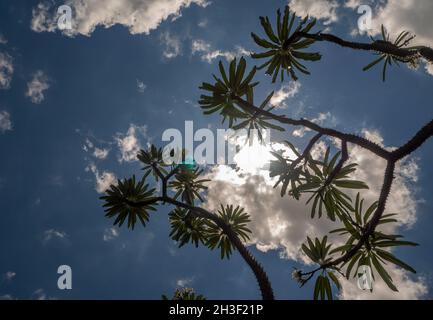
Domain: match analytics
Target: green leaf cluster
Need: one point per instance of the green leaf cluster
(187, 184)
(235, 83)
(319, 251)
(153, 161)
(217, 237)
(284, 49)
(185, 228)
(189, 228)
(403, 40)
(376, 251)
(119, 202)
(257, 121)
(316, 177)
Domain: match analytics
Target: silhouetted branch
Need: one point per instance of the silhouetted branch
(306, 154)
(337, 169)
(378, 46)
(360, 141)
(413, 144)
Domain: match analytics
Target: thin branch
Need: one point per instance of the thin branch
(413, 144)
(360, 141)
(378, 46)
(306, 154)
(158, 172)
(337, 169)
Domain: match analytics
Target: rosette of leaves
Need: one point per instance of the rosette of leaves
(129, 200)
(225, 88)
(257, 121)
(318, 179)
(185, 294)
(319, 252)
(284, 47)
(153, 160)
(185, 228)
(403, 40)
(376, 251)
(326, 187)
(237, 219)
(188, 186)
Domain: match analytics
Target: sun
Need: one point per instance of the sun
(255, 157)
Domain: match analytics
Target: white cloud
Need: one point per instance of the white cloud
(141, 86)
(8, 276)
(39, 294)
(129, 143)
(110, 234)
(203, 23)
(406, 15)
(37, 86)
(172, 45)
(88, 145)
(287, 91)
(53, 234)
(5, 121)
(6, 70)
(140, 17)
(7, 297)
(199, 45)
(352, 4)
(320, 9)
(100, 153)
(321, 119)
(204, 49)
(41, 18)
(184, 282)
(103, 180)
(429, 68)
(284, 223)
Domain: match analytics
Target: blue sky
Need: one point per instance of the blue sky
(71, 99)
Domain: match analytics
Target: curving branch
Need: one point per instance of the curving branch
(360, 141)
(413, 144)
(383, 47)
(260, 274)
